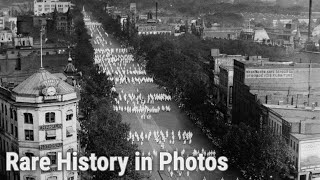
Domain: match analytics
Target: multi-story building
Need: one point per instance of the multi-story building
(2, 23)
(62, 21)
(48, 6)
(6, 37)
(38, 118)
(284, 96)
(225, 90)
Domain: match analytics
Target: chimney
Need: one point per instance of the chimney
(156, 10)
(302, 129)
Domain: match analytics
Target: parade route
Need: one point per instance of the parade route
(173, 121)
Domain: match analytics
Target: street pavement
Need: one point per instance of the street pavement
(174, 120)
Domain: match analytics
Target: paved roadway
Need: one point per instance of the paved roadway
(173, 120)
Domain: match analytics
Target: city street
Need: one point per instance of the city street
(174, 120)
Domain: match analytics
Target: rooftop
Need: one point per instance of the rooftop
(32, 86)
(302, 137)
(295, 115)
(227, 67)
(263, 64)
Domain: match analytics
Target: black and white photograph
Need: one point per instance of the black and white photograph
(160, 89)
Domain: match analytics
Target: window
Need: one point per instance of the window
(69, 115)
(51, 134)
(71, 178)
(11, 114)
(29, 154)
(52, 178)
(6, 110)
(70, 151)
(50, 117)
(16, 131)
(30, 178)
(1, 107)
(53, 157)
(28, 135)
(70, 131)
(28, 119)
(12, 130)
(15, 115)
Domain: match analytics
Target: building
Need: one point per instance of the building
(225, 91)
(6, 37)
(38, 118)
(153, 28)
(48, 6)
(306, 148)
(23, 42)
(62, 20)
(223, 33)
(260, 36)
(299, 126)
(284, 96)
(24, 25)
(2, 23)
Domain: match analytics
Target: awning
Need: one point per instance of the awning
(70, 130)
(69, 112)
(51, 153)
(52, 178)
(51, 133)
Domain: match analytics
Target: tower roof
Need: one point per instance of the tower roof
(33, 85)
(70, 67)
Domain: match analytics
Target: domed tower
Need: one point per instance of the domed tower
(71, 72)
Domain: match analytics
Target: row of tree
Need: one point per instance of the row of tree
(102, 131)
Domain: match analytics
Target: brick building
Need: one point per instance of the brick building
(284, 96)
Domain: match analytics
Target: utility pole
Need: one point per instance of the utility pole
(41, 33)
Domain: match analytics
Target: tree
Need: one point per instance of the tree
(102, 131)
(106, 136)
(259, 153)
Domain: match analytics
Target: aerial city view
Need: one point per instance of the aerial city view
(160, 89)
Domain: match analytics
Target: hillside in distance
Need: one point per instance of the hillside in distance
(195, 7)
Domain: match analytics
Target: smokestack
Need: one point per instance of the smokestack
(156, 10)
(310, 20)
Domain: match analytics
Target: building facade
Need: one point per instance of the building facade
(48, 6)
(39, 118)
(284, 96)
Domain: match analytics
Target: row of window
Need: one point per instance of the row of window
(294, 146)
(50, 134)
(52, 5)
(13, 113)
(6, 126)
(4, 146)
(49, 117)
